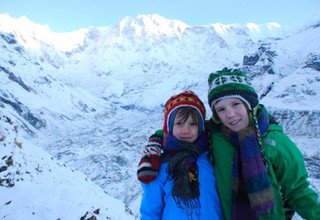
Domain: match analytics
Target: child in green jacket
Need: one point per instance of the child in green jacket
(258, 168)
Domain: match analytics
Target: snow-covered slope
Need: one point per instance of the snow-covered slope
(34, 185)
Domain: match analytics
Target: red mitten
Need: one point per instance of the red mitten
(150, 162)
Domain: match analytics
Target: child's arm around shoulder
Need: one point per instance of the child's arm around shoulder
(288, 164)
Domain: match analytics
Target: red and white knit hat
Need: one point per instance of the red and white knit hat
(186, 98)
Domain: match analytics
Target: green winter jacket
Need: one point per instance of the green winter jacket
(286, 171)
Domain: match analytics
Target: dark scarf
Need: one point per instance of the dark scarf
(252, 193)
(183, 170)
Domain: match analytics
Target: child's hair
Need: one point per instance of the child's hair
(176, 102)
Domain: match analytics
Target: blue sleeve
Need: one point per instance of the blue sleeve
(153, 197)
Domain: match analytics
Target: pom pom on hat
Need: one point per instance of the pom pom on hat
(228, 83)
(186, 98)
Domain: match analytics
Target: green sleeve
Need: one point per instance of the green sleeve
(159, 133)
(289, 168)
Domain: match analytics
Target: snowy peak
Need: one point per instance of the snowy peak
(150, 25)
(36, 36)
(22, 24)
(26, 32)
(272, 27)
(255, 31)
(313, 23)
(156, 23)
(316, 17)
(252, 27)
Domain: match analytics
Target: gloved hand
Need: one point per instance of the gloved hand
(150, 162)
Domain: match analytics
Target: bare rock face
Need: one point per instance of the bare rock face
(298, 123)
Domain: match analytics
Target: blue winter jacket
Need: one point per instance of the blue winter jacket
(158, 203)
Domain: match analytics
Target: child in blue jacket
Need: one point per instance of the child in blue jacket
(185, 187)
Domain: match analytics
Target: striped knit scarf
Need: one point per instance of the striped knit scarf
(252, 193)
(183, 170)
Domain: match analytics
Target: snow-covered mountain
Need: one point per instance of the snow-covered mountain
(90, 98)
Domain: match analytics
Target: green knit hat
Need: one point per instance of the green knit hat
(231, 83)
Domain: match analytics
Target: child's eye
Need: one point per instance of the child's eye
(220, 110)
(237, 103)
(178, 123)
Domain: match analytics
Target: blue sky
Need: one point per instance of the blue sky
(70, 15)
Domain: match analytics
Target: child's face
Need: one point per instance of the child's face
(232, 113)
(185, 130)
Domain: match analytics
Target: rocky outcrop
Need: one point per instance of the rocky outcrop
(15, 79)
(24, 112)
(298, 122)
(313, 62)
(260, 62)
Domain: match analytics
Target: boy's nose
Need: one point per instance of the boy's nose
(185, 129)
(230, 112)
